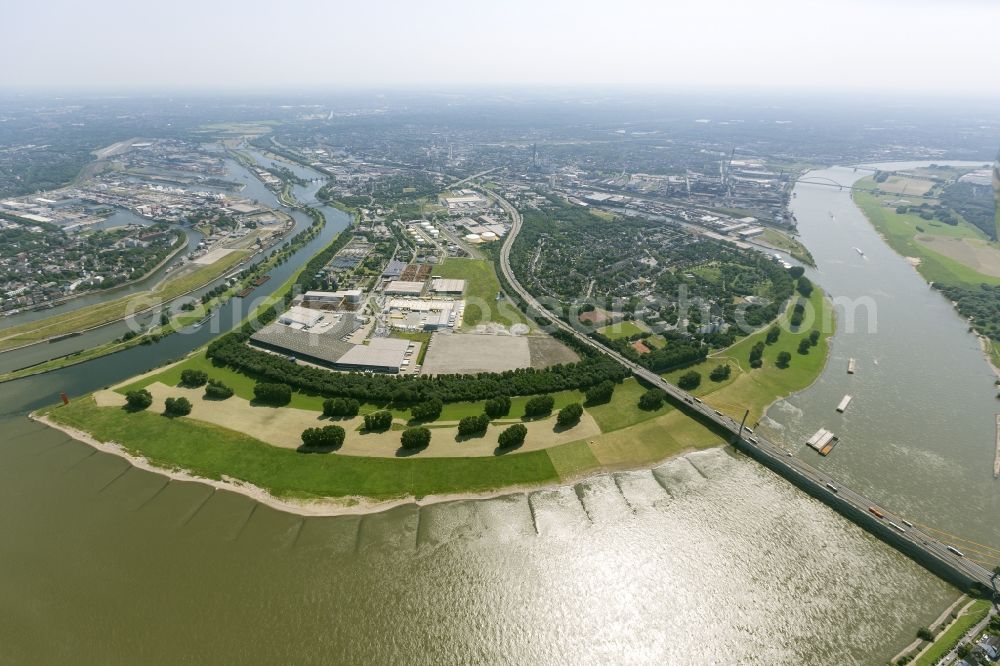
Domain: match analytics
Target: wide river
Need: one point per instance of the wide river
(708, 558)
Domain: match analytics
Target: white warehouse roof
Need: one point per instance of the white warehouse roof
(445, 286)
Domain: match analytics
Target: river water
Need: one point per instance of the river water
(253, 190)
(920, 433)
(706, 559)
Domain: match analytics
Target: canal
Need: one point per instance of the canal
(708, 558)
(254, 190)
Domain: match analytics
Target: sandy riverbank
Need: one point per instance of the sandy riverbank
(340, 506)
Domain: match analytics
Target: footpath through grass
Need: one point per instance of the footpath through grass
(947, 640)
(214, 452)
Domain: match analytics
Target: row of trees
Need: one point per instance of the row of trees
(232, 350)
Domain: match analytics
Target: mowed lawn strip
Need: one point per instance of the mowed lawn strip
(949, 637)
(212, 452)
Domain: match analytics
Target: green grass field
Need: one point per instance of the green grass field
(213, 452)
(623, 329)
(481, 289)
(783, 241)
(949, 637)
(755, 389)
(96, 315)
(900, 231)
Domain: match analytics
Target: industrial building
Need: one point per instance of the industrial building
(379, 355)
(320, 348)
(404, 288)
(423, 314)
(447, 286)
(300, 317)
(331, 300)
(394, 269)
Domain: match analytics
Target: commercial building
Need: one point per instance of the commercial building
(394, 269)
(379, 355)
(331, 300)
(319, 348)
(447, 286)
(300, 317)
(404, 288)
(423, 314)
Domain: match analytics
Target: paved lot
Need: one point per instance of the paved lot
(456, 353)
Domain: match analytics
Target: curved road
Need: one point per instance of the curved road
(907, 538)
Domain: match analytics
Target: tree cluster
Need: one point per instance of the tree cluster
(193, 378)
(271, 393)
(378, 421)
(540, 405)
(177, 406)
(498, 407)
(720, 373)
(652, 399)
(216, 390)
(428, 410)
(326, 437)
(138, 399)
(600, 393)
(512, 436)
(473, 425)
(341, 407)
(415, 438)
(689, 380)
(569, 415)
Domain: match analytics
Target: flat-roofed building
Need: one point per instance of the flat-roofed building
(300, 317)
(379, 355)
(404, 288)
(318, 348)
(394, 269)
(447, 286)
(331, 300)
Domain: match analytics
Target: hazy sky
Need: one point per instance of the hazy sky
(886, 45)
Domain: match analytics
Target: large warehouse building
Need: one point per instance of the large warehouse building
(379, 355)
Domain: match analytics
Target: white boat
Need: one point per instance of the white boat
(859, 251)
(844, 403)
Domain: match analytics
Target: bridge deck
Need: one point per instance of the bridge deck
(890, 527)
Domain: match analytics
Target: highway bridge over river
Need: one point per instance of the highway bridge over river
(939, 557)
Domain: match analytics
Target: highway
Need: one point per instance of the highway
(906, 537)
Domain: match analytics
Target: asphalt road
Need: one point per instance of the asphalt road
(774, 456)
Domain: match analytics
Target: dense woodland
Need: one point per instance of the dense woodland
(981, 304)
(976, 203)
